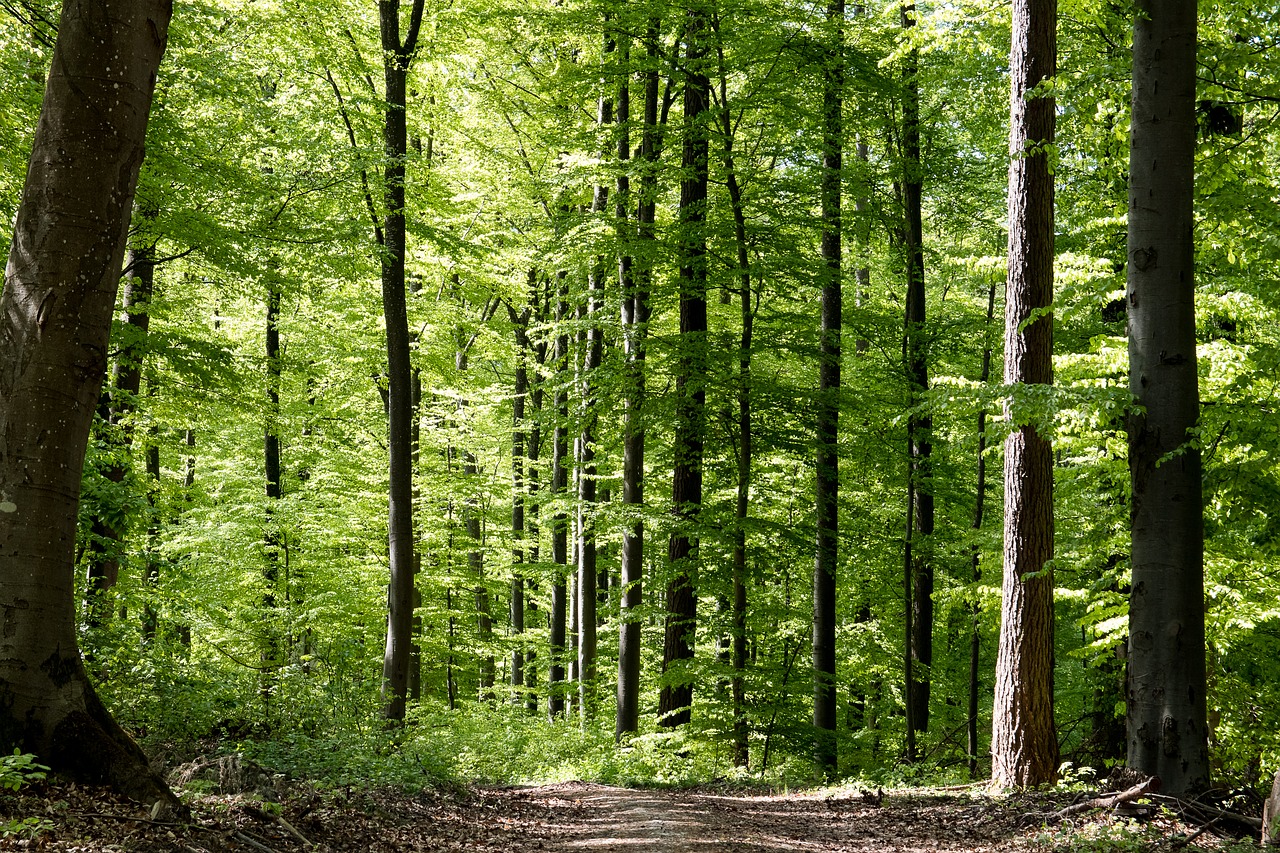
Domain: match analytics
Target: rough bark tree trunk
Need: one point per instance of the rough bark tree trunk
(55, 318)
(1167, 729)
(1024, 750)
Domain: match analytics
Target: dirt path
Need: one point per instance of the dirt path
(599, 818)
(574, 817)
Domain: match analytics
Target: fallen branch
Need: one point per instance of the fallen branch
(1209, 814)
(244, 837)
(289, 828)
(1109, 801)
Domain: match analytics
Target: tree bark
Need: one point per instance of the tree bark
(738, 653)
(108, 535)
(397, 56)
(916, 362)
(55, 318)
(1023, 746)
(559, 521)
(1167, 729)
(826, 491)
(588, 580)
(518, 426)
(676, 695)
(272, 540)
(635, 277)
(979, 514)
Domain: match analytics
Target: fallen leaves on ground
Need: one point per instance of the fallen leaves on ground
(571, 816)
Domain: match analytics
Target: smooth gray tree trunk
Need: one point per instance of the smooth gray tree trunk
(59, 293)
(1167, 731)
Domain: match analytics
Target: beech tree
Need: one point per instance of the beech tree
(397, 54)
(60, 289)
(674, 706)
(1167, 723)
(828, 465)
(1024, 748)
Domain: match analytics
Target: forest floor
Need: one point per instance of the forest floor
(578, 816)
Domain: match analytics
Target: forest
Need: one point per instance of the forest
(640, 391)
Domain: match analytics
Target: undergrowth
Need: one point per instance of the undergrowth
(438, 746)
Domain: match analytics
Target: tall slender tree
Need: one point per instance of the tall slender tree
(919, 423)
(593, 345)
(519, 427)
(676, 698)
(559, 521)
(1024, 749)
(826, 492)
(1167, 726)
(107, 534)
(744, 446)
(635, 275)
(397, 54)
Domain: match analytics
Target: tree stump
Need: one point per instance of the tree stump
(1271, 816)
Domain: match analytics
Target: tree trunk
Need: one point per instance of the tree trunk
(107, 544)
(738, 653)
(588, 580)
(55, 318)
(979, 510)
(826, 491)
(273, 541)
(521, 323)
(397, 56)
(1024, 749)
(559, 521)
(635, 279)
(919, 426)
(691, 396)
(1167, 730)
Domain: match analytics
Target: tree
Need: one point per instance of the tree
(106, 542)
(1024, 748)
(636, 277)
(1167, 731)
(397, 55)
(826, 492)
(691, 393)
(55, 317)
(918, 567)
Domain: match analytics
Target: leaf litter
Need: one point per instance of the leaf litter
(580, 816)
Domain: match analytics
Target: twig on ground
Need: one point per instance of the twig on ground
(1186, 842)
(289, 828)
(244, 836)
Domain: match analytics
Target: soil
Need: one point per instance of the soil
(574, 816)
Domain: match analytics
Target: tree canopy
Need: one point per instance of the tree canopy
(576, 181)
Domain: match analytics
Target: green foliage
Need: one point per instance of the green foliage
(18, 769)
(258, 624)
